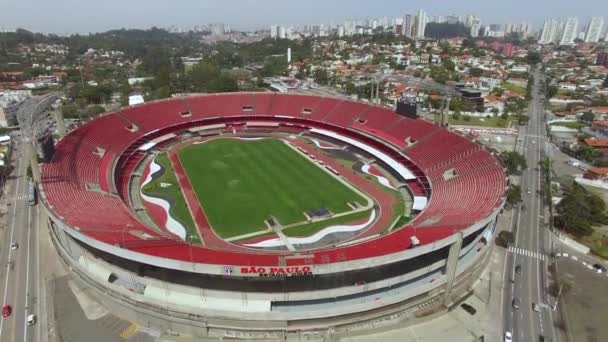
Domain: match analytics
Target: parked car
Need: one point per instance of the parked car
(535, 307)
(599, 268)
(518, 269)
(31, 320)
(14, 245)
(508, 336)
(7, 310)
(515, 303)
(468, 308)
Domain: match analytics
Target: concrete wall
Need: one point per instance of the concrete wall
(244, 311)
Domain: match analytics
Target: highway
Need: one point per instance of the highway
(20, 266)
(527, 259)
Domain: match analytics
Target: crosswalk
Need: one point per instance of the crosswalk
(19, 197)
(527, 253)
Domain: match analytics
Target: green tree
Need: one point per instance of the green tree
(497, 91)
(587, 153)
(95, 110)
(534, 58)
(514, 194)
(514, 161)
(349, 88)
(69, 111)
(551, 91)
(321, 76)
(605, 85)
(588, 116)
(580, 210)
(449, 65)
(476, 72)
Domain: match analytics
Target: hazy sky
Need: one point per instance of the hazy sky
(68, 16)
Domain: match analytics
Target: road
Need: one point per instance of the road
(530, 249)
(20, 266)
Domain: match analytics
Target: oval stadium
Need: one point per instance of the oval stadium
(255, 215)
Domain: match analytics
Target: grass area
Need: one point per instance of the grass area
(402, 221)
(398, 208)
(570, 124)
(312, 228)
(243, 183)
(479, 121)
(173, 194)
(598, 242)
(514, 88)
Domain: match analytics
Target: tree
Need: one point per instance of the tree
(440, 74)
(514, 194)
(497, 91)
(95, 110)
(586, 153)
(476, 72)
(551, 91)
(579, 210)
(350, 88)
(588, 116)
(69, 111)
(534, 58)
(449, 65)
(321, 76)
(514, 161)
(504, 239)
(605, 85)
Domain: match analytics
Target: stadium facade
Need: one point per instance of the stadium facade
(101, 229)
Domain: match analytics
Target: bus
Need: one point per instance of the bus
(31, 193)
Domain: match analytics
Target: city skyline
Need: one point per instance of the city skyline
(244, 14)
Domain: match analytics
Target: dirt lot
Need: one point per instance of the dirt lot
(586, 304)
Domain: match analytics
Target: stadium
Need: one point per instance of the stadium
(255, 215)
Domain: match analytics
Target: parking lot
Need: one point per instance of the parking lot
(585, 306)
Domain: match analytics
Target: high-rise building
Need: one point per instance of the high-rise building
(340, 31)
(570, 31)
(550, 32)
(421, 20)
(274, 31)
(594, 30)
(217, 29)
(282, 32)
(475, 27)
(350, 27)
(408, 25)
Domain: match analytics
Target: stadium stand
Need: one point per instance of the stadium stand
(86, 156)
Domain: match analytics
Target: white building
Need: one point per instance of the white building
(550, 32)
(421, 20)
(274, 31)
(594, 30)
(408, 25)
(570, 32)
(475, 27)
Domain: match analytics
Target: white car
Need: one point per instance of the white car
(14, 245)
(508, 336)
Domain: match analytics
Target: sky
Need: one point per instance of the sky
(82, 16)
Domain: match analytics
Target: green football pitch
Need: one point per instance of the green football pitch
(243, 183)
